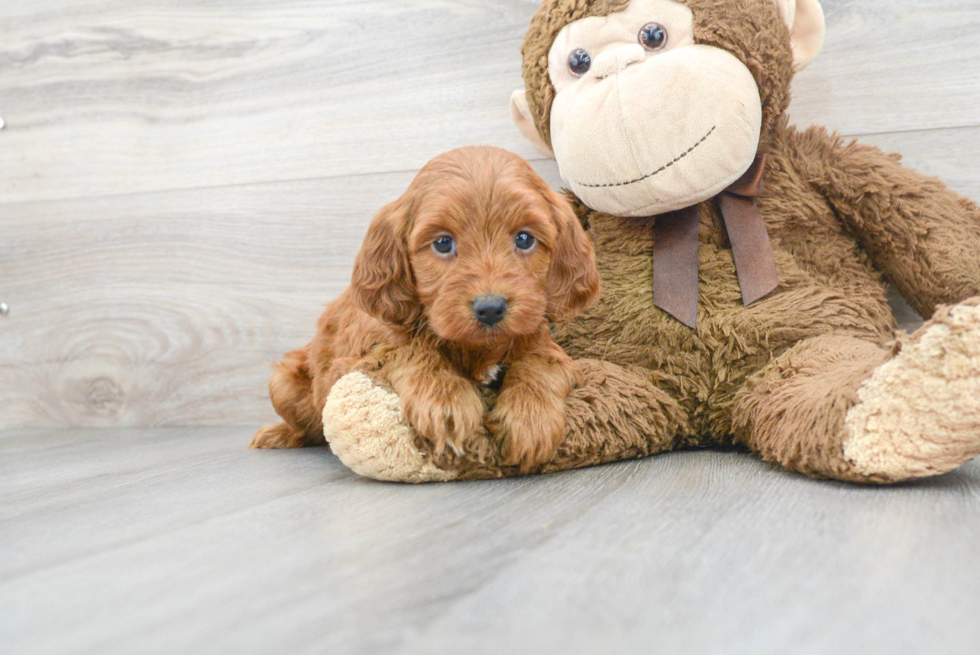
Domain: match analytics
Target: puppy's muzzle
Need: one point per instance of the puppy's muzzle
(490, 310)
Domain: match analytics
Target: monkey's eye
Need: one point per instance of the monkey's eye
(579, 62)
(444, 245)
(653, 36)
(524, 241)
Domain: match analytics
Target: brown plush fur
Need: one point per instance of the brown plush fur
(417, 305)
(779, 376)
(782, 375)
(792, 411)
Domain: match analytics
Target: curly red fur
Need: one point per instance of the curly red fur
(418, 305)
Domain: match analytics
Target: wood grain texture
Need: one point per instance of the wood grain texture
(107, 97)
(181, 541)
(184, 185)
(169, 308)
(893, 66)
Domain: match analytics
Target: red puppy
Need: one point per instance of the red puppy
(458, 278)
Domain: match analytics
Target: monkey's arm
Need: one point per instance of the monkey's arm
(617, 413)
(924, 237)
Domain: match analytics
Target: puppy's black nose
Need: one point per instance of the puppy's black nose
(490, 310)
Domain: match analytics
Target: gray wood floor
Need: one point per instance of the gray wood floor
(184, 183)
(182, 541)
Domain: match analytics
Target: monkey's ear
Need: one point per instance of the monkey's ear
(807, 28)
(382, 284)
(520, 113)
(573, 278)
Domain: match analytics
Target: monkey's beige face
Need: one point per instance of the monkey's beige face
(646, 121)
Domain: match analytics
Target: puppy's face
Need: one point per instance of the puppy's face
(490, 251)
(481, 248)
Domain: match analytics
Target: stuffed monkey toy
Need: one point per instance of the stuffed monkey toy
(744, 262)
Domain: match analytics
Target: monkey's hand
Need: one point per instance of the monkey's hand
(922, 235)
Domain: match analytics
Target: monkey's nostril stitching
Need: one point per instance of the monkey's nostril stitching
(626, 61)
(610, 63)
(617, 69)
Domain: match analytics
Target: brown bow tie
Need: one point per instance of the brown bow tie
(675, 249)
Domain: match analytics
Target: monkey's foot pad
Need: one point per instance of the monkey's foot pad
(366, 428)
(919, 414)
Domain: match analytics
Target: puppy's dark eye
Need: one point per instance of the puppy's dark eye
(653, 36)
(444, 245)
(524, 241)
(579, 62)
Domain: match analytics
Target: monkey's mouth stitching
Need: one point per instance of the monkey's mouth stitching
(659, 170)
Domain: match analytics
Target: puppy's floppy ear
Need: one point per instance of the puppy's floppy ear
(382, 284)
(573, 280)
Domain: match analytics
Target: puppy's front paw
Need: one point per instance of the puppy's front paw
(529, 429)
(451, 414)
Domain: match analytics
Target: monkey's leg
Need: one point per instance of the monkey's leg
(618, 413)
(837, 407)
